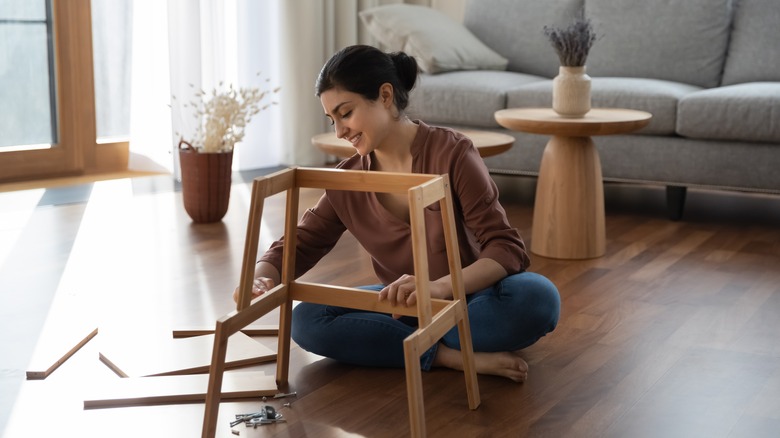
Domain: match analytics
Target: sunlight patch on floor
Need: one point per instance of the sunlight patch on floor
(15, 213)
(117, 239)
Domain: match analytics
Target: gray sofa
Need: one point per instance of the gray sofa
(708, 71)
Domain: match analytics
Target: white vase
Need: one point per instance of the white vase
(571, 92)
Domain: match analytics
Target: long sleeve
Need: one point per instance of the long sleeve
(477, 194)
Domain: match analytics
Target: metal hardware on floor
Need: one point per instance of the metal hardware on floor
(266, 415)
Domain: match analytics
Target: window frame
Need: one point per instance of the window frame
(77, 151)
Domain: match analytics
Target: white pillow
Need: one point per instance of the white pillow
(437, 42)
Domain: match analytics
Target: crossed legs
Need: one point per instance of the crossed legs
(510, 316)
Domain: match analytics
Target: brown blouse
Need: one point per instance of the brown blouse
(482, 226)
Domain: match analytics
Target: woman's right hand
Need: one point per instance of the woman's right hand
(260, 286)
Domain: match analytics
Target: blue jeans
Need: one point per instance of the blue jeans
(509, 316)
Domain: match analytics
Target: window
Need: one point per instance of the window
(48, 122)
(27, 115)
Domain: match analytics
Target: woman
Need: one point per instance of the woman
(364, 92)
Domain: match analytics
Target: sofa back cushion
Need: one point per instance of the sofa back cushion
(754, 50)
(437, 42)
(675, 40)
(515, 29)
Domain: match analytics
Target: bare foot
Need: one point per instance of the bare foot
(503, 363)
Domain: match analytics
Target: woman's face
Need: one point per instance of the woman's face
(362, 122)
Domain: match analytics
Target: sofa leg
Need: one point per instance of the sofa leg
(675, 201)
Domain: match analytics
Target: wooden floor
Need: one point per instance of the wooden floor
(675, 332)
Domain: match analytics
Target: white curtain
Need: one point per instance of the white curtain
(243, 42)
(234, 42)
(150, 116)
(183, 46)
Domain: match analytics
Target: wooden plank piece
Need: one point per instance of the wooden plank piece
(354, 298)
(254, 330)
(55, 347)
(59, 340)
(169, 357)
(143, 391)
(359, 181)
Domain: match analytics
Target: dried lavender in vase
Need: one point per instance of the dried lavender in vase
(573, 43)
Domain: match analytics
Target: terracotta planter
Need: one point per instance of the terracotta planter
(571, 92)
(205, 183)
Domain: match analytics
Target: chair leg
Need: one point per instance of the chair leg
(214, 394)
(469, 368)
(283, 352)
(414, 390)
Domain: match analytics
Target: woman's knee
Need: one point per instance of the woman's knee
(538, 295)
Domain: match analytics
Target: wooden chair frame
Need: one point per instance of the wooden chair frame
(435, 316)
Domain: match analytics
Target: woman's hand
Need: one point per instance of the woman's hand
(260, 286)
(403, 292)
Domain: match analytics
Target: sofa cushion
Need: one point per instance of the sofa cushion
(676, 40)
(515, 29)
(657, 97)
(464, 97)
(436, 41)
(747, 112)
(754, 50)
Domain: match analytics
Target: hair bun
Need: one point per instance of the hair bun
(407, 69)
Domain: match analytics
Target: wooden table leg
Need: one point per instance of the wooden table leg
(569, 207)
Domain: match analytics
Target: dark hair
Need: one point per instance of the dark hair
(363, 69)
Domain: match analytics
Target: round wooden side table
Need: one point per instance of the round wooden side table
(487, 143)
(568, 218)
